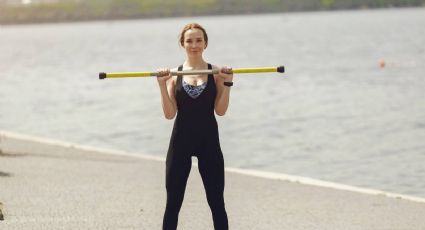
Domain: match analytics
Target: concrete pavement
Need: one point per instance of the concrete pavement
(53, 185)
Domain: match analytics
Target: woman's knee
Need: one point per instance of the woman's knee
(216, 201)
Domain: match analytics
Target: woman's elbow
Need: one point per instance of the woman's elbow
(220, 113)
(170, 116)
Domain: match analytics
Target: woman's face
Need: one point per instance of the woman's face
(194, 42)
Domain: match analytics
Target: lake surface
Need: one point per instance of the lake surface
(334, 115)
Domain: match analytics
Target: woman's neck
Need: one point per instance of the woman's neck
(195, 63)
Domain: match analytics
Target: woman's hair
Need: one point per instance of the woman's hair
(193, 26)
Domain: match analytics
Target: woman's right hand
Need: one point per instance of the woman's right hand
(163, 75)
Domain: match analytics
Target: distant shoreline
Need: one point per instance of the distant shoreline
(97, 10)
(183, 16)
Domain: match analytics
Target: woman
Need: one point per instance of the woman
(194, 99)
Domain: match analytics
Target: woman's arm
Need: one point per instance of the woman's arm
(223, 92)
(166, 84)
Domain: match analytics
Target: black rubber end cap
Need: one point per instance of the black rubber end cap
(102, 75)
(281, 69)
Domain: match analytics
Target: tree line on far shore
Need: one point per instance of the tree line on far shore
(78, 10)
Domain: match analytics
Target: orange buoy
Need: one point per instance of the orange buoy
(381, 63)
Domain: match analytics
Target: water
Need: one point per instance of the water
(335, 115)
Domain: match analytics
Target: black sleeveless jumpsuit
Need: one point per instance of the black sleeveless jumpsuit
(195, 133)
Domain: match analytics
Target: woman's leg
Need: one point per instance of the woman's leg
(211, 168)
(177, 171)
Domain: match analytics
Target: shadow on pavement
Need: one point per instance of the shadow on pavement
(5, 174)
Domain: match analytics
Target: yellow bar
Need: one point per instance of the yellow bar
(255, 70)
(128, 74)
(279, 69)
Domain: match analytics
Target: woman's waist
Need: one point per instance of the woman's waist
(196, 122)
(196, 116)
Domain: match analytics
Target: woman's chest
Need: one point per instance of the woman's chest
(195, 80)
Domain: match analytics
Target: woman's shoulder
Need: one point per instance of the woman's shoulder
(215, 67)
(174, 69)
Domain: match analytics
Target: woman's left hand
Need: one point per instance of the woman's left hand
(226, 74)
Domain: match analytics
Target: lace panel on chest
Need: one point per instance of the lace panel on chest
(194, 91)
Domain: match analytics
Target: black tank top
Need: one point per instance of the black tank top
(195, 116)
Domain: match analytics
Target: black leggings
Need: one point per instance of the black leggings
(211, 168)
